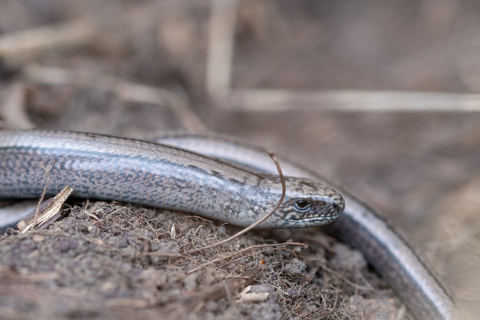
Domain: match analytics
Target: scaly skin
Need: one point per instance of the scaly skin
(110, 168)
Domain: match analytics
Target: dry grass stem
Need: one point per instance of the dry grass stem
(23, 45)
(275, 100)
(45, 213)
(220, 48)
(40, 201)
(128, 91)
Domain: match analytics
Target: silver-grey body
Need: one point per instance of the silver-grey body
(103, 167)
(360, 226)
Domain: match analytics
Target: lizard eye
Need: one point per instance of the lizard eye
(302, 206)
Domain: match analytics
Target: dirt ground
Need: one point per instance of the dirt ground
(418, 168)
(107, 260)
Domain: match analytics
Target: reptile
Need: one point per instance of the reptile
(391, 255)
(147, 173)
(220, 178)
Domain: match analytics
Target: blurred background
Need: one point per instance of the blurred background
(380, 97)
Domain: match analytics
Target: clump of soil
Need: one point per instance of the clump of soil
(117, 261)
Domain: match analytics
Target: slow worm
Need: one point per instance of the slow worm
(111, 168)
(359, 226)
(155, 174)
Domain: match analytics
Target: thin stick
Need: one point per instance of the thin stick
(279, 203)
